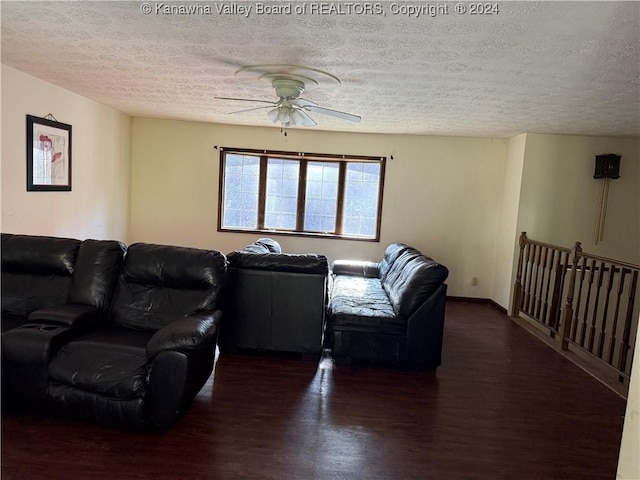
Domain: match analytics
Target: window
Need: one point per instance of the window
(305, 194)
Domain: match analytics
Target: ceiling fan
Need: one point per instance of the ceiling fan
(290, 110)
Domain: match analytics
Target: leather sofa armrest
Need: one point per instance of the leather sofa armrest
(70, 314)
(356, 268)
(425, 330)
(189, 332)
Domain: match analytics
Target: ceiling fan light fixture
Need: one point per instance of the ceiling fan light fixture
(273, 114)
(284, 115)
(297, 118)
(287, 116)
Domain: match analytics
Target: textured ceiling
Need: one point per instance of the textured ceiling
(546, 67)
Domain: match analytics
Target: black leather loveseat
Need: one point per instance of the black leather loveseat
(388, 312)
(143, 360)
(275, 301)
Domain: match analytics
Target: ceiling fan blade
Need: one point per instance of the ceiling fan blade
(245, 100)
(302, 102)
(249, 109)
(333, 113)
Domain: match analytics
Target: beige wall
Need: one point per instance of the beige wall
(98, 205)
(629, 460)
(559, 196)
(442, 194)
(507, 234)
(461, 200)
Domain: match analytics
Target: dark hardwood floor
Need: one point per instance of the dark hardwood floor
(502, 406)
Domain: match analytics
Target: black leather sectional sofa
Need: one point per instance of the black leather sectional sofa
(389, 312)
(96, 330)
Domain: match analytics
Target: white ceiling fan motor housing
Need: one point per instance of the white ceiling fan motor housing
(287, 88)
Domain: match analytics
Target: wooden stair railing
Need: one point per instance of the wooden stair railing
(540, 281)
(600, 313)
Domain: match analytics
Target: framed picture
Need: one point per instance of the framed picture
(48, 155)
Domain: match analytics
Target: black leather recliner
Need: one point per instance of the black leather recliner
(52, 290)
(157, 348)
(275, 301)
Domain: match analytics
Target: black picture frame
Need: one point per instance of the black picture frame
(48, 155)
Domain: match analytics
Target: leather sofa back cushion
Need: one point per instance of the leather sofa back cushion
(36, 272)
(280, 262)
(412, 280)
(39, 255)
(97, 270)
(391, 253)
(160, 283)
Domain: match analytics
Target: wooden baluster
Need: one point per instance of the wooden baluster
(517, 289)
(583, 333)
(565, 326)
(525, 269)
(542, 266)
(532, 281)
(531, 248)
(558, 284)
(576, 319)
(594, 317)
(624, 346)
(614, 327)
(603, 327)
(546, 314)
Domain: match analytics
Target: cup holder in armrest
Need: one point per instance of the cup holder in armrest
(49, 328)
(42, 328)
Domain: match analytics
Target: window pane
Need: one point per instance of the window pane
(257, 186)
(321, 197)
(361, 199)
(282, 194)
(241, 183)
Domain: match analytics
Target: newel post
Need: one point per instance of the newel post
(567, 313)
(517, 286)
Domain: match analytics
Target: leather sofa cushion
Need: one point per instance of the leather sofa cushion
(391, 253)
(110, 363)
(412, 279)
(96, 274)
(72, 402)
(23, 294)
(160, 282)
(28, 254)
(174, 267)
(36, 272)
(362, 304)
(398, 265)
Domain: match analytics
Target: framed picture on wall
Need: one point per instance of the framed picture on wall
(48, 155)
